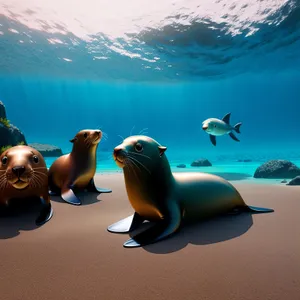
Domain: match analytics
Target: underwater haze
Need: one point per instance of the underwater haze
(158, 66)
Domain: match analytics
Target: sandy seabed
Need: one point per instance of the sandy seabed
(73, 256)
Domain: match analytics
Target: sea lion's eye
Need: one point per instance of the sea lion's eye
(35, 159)
(4, 160)
(85, 135)
(138, 147)
(215, 125)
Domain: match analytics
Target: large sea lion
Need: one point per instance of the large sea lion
(76, 170)
(23, 174)
(164, 198)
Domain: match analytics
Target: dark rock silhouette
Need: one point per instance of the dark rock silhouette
(10, 135)
(47, 150)
(277, 169)
(181, 166)
(295, 181)
(201, 163)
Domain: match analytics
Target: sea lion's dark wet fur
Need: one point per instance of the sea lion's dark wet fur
(164, 198)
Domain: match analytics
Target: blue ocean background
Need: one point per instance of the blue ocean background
(167, 76)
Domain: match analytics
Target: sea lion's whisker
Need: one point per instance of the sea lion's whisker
(40, 173)
(131, 130)
(39, 168)
(1, 183)
(131, 165)
(143, 131)
(132, 158)
(121, 137)
(139, 154)
(38, 181)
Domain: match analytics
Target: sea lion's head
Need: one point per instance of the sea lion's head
(21, 167)
(87, 138)
(139, 153)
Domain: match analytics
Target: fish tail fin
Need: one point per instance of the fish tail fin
(237, 127)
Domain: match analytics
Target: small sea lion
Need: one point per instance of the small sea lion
(24, 174)
(76, 170)
(216, 127)
(164, 198)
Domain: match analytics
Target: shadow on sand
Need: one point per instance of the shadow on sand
(211, 231)
(20, 215)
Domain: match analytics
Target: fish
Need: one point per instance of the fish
(216, 127)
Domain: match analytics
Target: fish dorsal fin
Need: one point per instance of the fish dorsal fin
(226, 118)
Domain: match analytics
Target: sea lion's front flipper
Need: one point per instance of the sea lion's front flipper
(46, 213)
(126, 225)
(213, 139)
(159, 231)
(68, 195)
(255, 209)
(92, 188)
(233, 137)
(51, 193)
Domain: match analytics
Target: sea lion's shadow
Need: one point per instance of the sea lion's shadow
(207, 232)
(86, 198)
(19, 216)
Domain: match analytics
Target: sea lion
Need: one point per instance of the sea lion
(76, 170)
(24, 174)
(216, 127)
(164, 198)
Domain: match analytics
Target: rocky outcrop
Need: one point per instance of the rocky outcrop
(201, 163)
(181, 166)
(295, 181)
(10, 135)
(277, 169)
(47, 150)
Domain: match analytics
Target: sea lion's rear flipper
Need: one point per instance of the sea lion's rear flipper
(68, 195)
(126, 225)
(255, 209)
(233, 137)
(213, 139)
(159, 231)
(45, 214)
(92, 188)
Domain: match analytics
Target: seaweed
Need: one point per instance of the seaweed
(4, 148)
(5, 122)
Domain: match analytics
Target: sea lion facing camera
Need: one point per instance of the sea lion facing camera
(23, 174)
(76, 170)
(162, 197)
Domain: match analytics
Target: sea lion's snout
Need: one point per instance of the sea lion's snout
(205, 127)
(18, 177)
(18, 170)
(119, 156)
(98, 136)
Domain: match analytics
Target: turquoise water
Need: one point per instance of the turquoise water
(159, 68)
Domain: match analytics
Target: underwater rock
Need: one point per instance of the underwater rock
(47, 150)
(295, 181)
(2, 111)
(181, 166)
(10, 135)
(284, 181)
(201, 163)
(277, 169)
